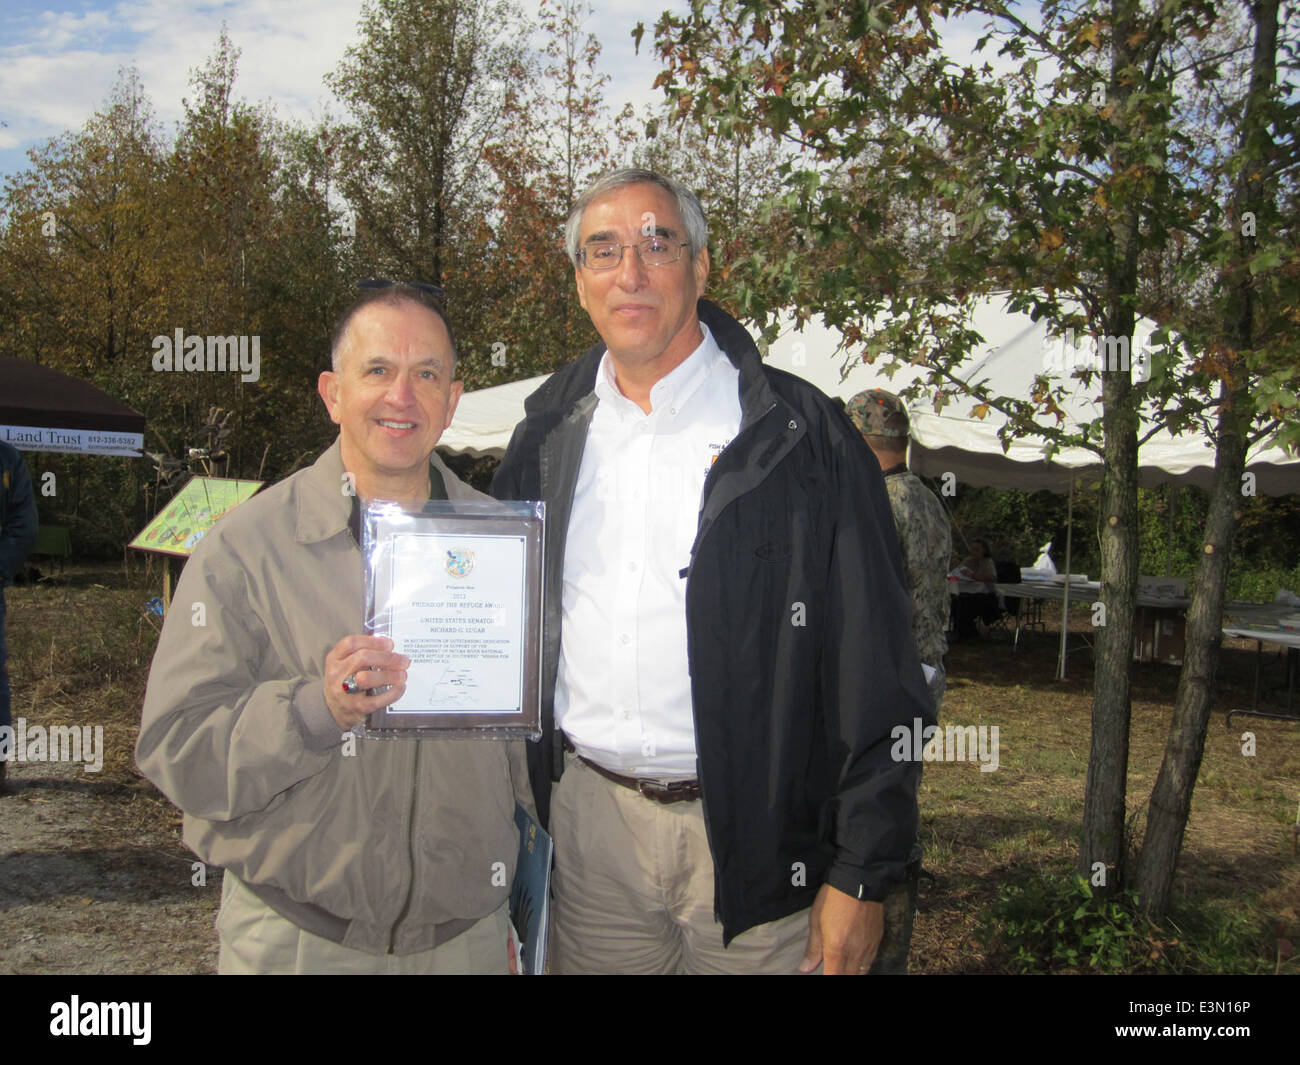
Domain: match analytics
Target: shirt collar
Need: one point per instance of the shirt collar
(325, 506)
(437, 491)
(670, 393)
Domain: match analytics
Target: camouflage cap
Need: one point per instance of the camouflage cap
(878, 413)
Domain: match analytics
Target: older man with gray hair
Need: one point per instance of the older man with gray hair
(727, 643)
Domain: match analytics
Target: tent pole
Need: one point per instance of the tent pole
(1065, 599)
(1169, 542)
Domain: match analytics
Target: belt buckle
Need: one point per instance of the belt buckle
(655, 791)
(662, 793)
(643, 789)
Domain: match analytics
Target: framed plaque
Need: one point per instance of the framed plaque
(457, 587)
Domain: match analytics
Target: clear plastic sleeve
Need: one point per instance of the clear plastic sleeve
(457, 586)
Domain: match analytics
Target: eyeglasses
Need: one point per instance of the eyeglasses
(436, 291)
(654, 251)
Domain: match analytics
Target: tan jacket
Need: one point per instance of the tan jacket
(395, 848)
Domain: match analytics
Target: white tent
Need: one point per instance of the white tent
(952, 441)
(486, 417)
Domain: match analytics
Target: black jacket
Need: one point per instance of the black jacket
(18, 520)
(798, 632)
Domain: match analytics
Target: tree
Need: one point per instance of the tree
(556, 139)
(1061, 181)
(302, 278)
(82, 239)
(83, 271)
(1259, 305)
(424, 89)
(219, 197)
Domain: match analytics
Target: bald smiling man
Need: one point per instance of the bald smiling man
(341, 855)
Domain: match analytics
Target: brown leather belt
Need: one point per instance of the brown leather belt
(677, 791)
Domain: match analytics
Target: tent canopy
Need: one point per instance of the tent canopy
(953, 440)
(42, 409)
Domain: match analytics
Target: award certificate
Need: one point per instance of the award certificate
(460, 621)
(457, 587)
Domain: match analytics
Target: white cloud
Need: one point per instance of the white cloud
(57, 69)
(51, 87)
(50, 31)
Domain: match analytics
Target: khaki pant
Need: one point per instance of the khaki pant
(633, 891)
(256, 939)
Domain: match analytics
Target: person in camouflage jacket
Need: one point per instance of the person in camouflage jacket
(924, 533)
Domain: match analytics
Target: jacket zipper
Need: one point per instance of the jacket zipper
(411, 810)
(699, 763)
(703, 526)
(543, 474)
(410, 848)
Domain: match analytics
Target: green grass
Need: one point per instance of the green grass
(1001, 846)
(79, 651)
(1016, 830)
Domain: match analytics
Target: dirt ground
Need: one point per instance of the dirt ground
(94, 877)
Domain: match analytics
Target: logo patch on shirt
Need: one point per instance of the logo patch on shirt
(717, 450)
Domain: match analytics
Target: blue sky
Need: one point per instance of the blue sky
(58, 61)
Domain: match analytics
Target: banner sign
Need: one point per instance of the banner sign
(73, 441)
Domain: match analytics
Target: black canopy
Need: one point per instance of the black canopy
(44, 410)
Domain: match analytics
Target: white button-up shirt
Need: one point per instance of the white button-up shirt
(623, 692)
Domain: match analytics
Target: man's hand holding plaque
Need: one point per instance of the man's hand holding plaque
(363, 674)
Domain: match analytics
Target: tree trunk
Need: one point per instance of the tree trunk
(1171, 799)
(1102, 844)
(1104, 798)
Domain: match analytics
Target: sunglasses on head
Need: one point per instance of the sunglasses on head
(436, 291)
